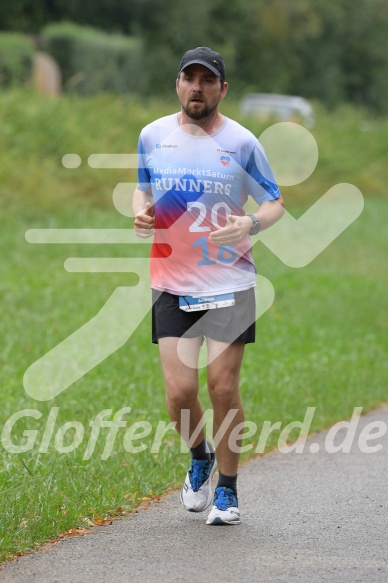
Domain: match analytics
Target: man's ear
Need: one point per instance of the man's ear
(224, 90)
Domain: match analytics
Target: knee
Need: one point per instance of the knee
(180, 397)
(223, 391)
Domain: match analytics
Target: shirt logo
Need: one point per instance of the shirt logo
(166, 146)
(225, 160)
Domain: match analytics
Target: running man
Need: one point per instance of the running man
(196, 171)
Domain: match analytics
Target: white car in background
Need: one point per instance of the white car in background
(283, 107)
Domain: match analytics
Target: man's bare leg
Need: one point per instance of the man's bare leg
(223, 384)
(181, 383)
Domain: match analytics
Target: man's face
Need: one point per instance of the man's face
(199, 91)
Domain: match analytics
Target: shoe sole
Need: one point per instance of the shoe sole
(209, 501)
(219, 522)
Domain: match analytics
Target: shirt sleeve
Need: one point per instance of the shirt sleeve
(260, 181)
(143, 175)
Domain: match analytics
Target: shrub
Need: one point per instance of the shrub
(92, 61)
(16, 59)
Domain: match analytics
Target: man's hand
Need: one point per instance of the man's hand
(233, 233)
(145, 222)
(238, 227)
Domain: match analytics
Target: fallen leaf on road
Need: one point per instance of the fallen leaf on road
(76, 531)
(102, 521)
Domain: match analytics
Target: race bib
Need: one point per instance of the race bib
(206, 302)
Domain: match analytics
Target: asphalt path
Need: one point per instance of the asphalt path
(306, 517)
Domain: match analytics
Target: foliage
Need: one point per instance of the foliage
(16, 59)
(92, 61)
(331, 51)
(30, 16)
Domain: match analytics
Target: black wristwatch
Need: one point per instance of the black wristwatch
(255, 228)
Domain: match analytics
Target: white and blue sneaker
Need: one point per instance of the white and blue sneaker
(225, 508)
(196, 493)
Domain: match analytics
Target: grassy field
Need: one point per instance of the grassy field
(322, 344)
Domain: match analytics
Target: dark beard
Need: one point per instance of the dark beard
(199, 114)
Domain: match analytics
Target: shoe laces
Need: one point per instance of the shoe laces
(199, 473)
(224, 498)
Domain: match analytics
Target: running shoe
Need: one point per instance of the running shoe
(196, 493)
(225, 508)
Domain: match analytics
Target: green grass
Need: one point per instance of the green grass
(322, 344)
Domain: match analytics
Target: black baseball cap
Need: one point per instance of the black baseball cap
(204, 56)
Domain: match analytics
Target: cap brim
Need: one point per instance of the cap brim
(212, 69)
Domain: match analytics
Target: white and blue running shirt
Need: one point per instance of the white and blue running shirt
(196, 183)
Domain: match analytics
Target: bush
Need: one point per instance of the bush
(92, 61)
(16, 59)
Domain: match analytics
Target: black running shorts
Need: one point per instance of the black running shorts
(231, 324)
